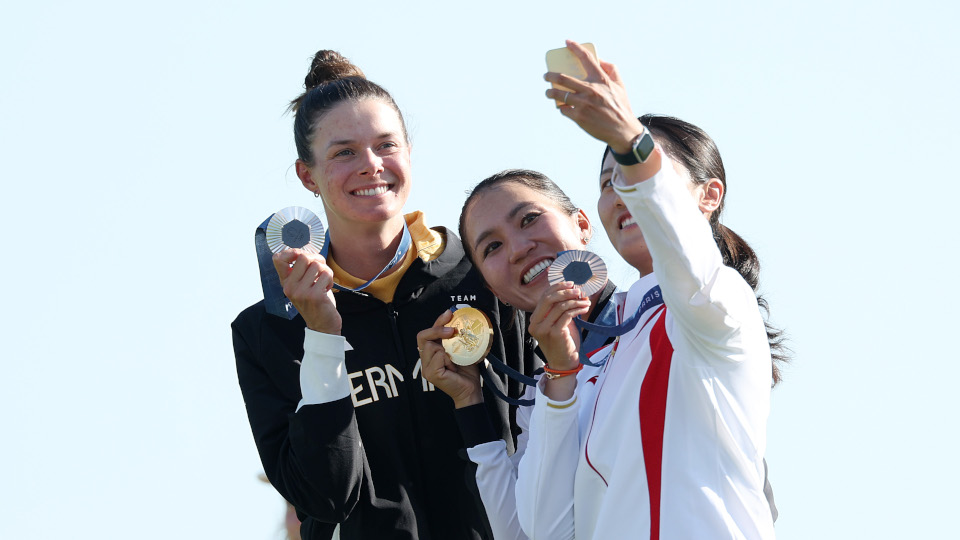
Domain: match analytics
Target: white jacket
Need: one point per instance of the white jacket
(669, 442)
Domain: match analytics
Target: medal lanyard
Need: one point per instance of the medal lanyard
(274, 301)
(598, 332)
(405, 241)
(596, 335)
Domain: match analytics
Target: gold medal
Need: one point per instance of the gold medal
(474, 336)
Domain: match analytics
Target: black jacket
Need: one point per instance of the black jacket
(385, 462)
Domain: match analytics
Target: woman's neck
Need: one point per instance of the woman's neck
(362, 251)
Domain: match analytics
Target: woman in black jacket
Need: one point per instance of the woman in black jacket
(347, 428)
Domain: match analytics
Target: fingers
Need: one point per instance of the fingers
(558, 300)
(564, 311)
(569, 83)
(551, 324)
(283, 260)
(611, 71)
(435, 360)
(302, 273)
(429, 340)
(587, 60)
(431, 337)
(437, 332)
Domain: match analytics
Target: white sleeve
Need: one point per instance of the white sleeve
(497, 477)
(710, 301)
(548, 468)
(323, 375)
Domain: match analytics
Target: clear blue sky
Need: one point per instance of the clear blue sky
(141, 144)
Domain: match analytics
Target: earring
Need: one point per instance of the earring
(316, 194)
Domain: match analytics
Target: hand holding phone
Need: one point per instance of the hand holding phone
(562, 60)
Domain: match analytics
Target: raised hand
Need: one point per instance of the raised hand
(308, 283)
(552, 324)
(598, 104)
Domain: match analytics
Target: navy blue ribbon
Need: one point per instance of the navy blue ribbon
(498, 365)
(275, 302)
(599, 331)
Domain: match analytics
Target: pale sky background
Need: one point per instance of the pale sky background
(142, 143)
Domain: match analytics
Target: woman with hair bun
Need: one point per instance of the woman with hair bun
(668, 440)
(347, 428)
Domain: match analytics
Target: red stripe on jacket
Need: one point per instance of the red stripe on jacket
(653, 411)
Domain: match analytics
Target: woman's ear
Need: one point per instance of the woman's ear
(709, 196)
(583, 222)
(303, 173)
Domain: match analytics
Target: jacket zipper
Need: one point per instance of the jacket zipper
(392, 313)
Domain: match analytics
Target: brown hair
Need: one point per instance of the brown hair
(332, 79)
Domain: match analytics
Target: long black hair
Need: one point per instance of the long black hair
(695, 150)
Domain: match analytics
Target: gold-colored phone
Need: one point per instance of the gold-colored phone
(562, 60)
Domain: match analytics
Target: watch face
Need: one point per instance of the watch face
(644, 147)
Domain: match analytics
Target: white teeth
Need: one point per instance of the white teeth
(535, 271)
(627, 222)
(371, 192)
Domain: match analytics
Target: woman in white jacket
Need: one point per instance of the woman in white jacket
(668, 441)
(512, 225)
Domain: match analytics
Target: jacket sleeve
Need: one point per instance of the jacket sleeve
(547, 470)
(311, 454)
(496, 472)
(711, 301)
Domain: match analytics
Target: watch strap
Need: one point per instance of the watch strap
(640, 149)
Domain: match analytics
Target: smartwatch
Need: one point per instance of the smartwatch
(642, 148)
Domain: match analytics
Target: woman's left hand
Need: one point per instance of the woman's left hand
(598, 104)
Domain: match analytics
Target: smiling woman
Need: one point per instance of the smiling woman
(348, 429)
(668, 441)
(526, 220)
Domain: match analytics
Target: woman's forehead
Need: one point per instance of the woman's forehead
(513, 191)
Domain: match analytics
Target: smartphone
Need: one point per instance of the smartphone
(562, 60)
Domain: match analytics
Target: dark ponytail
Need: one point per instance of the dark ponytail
(690, 146)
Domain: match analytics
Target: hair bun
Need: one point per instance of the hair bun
(329, 66)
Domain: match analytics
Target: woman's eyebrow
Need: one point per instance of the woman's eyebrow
(510, 215)
(385, 135)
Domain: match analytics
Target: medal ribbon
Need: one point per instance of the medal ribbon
(275, 302)
(599, 331)
(498, 365)
(405, 241)
(596, 335)
(273, 298)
